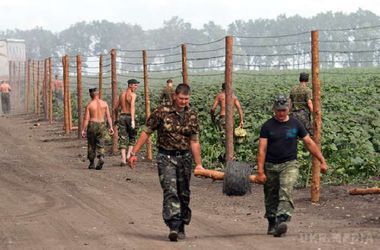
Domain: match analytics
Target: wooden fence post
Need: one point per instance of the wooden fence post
(317, 116)
(34, 85)
(185, 78)
(28, 88)
(50, 93)
(149, 154)
(229, 101)
(79, 95)
(100, 76)
(114, 98)
(45, 91)
(19, 88)
(65, 64)
(25, 78)
(14, 84)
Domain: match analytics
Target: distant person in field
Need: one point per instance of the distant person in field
(301, 103)
(166, 97)
(94, 128)
(57, 87)
(5, 90)
(220, 100)
(127, 122)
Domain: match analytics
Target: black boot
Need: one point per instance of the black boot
(271, 225)
(100, 163)
(181, 231)
(281, 226)
(173, 235)
(92, 165)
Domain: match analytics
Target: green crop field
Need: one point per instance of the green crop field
(350, 113)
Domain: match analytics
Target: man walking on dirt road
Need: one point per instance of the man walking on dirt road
(127, 123)
(178, 143)
(5, 90)
(277, 165)
(94, 126)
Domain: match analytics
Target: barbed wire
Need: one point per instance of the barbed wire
(216, 74)
(158, 49)
(204, 58)
(273, 45)
(350, 41)
(273, 36)
(352, 28)
(272, 55)
(206, 43)
(207, 67)
(203, 51)
(290, 65)
(349, 51)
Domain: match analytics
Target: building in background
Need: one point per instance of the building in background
(10, 50)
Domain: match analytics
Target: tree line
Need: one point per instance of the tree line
(259, 43)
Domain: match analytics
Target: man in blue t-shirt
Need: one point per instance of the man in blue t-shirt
(277, 165)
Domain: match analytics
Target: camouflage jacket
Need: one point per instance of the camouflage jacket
(166, 96)
(300, 95)
(174, 129)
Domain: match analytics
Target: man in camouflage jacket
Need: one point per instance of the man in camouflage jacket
(178, 144)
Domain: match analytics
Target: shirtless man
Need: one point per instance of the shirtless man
(220, 100)
(93, 127)
(5, 90)
(126, 121)
(57, 86)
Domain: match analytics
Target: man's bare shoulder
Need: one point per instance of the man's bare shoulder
(91, 102)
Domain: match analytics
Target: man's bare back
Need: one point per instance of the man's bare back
(221, 99)
(5, 88)
(97, 110)
(125, 100)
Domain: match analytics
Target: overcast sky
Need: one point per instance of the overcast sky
(58, 15)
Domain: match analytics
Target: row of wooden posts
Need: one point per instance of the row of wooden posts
(47, 96)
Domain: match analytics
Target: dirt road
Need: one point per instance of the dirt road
(50, 200)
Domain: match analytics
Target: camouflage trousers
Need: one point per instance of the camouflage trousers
(5, 103)
(221, 123)
(278, 189)
(174, 173)
(95, 141)
(127, 134)
(304, 117)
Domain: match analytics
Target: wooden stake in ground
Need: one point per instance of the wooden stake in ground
(229, 101)
(79, 95)
(45, 90)
(149, 153)
(66, 93)
(100, 76)
(317, 117)
(185, 78)
(38, 90)
(28, 88)
(114, 98)
(50, 93)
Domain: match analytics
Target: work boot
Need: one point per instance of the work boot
(181, 232)
(173, 235)
(100, 163)
(281, 226)
(271, 225)
(92, 165)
